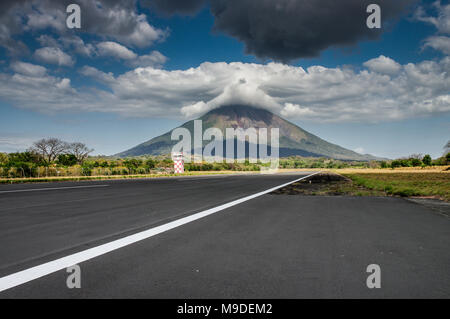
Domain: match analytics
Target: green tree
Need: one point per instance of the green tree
(150, 163)
(396, 163)
(427, 160)
(80, 151)
(415, 162)
(132, 164)
(67, 159)
(3, 158)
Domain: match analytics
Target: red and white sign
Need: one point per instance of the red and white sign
(178, 163)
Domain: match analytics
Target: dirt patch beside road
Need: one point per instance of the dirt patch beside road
(331, 184)
(326, 183)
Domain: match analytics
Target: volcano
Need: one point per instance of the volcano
(294, 141)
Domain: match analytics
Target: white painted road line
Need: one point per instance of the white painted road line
(33, 273)
(50, 189)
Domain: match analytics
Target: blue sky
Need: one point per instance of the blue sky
(388, 96)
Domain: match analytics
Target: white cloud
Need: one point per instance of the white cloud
(195, 109)
(28, 69)
(440, 43)
(116, 50)
(53, 55)
(110, 20)
(441, 21)
(294, 110)
(97, 74)
(10, 144)
(154, 59)
(79, 46)
(315, 94)
(143, 34)
(383, 65)
(47, 41)
(359, 150)
(43, 16)
(45, 93)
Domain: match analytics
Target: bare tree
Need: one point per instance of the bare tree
(80, 151)
(416, 156)
(49, 148)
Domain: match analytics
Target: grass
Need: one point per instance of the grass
(430, 182)
(405, 183)
(113, 177)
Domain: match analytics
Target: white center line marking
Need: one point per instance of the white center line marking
(33, 273)
(50, 189)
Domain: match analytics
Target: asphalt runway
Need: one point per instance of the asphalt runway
(271, 246)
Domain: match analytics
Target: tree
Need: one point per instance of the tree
(132, 164)
(396, 163)
(80, 151)
(150, 163)
(67, 159)
(49, 148)
(427, 160)
(415, 162)
(416, 156)
(3, 158)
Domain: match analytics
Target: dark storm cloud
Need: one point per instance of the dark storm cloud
(175, 6)
(288, 29)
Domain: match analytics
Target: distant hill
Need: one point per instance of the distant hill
(293, 139)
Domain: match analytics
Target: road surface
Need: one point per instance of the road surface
(271, 246)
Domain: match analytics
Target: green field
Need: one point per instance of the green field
(398, 183)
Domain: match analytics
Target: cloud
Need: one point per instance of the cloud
(45, 15)
(359, 150)
(10, 144)
(441, 21)
(52, 55)
(112, 49)
(109, 19)
(97, 74)
(440, 43)
(154, 59)
(78, 45)
(116, 50)
(313, 94)
(284, 30)
(47, 41)
(45, 94)
(383, 65)
(28, 69)
(67, 42)
(294, 110)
